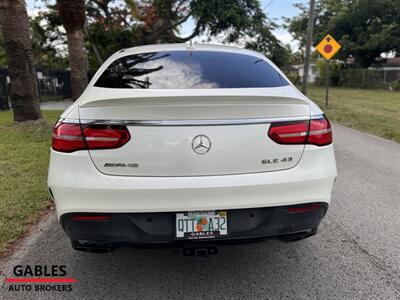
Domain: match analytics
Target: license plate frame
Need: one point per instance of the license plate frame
(207, 224)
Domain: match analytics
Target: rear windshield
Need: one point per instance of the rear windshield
(190, 70)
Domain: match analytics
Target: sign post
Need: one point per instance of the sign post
(327, 77)
(328, 47)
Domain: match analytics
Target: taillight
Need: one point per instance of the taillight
(320, 132)
(315, 132)
(105, 136)
(68, 137)
(289, 132)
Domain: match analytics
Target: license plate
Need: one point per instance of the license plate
(196, 225)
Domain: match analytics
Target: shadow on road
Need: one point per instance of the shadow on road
(326, 266)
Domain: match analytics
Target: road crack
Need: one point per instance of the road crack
(391, 274)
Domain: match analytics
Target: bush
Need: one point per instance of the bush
(293, 77)
(335, 70)
(395, 85)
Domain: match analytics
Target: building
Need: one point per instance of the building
(313, 73)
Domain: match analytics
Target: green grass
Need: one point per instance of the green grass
(373, 111)
(24, 156)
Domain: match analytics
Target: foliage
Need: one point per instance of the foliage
(395, 85)
(366, 29)
(293, 76)
(48, 40)
(112, 25)
(334, 71)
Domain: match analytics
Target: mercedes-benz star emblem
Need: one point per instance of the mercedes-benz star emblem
(201, 144)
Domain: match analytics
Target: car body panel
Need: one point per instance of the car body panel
(242, 169)
(82, 188)
(235, 149)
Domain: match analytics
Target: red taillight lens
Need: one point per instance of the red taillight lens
(320, 133)
(105, 136)
(69, 137)
(90, 218)
(289, 132)
(303, 209)
(316, 132)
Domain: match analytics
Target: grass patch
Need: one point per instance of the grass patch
(373, 111)
(24, 157)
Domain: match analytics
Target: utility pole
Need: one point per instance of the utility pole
(310, 28)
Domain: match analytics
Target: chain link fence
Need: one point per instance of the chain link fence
(373, 78)
(368, 78)
(53, 85)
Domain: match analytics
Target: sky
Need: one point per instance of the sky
(275, 9)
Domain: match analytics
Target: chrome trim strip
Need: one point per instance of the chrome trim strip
(321, 116)
(67, 137)
(215, 122)
(285, 135)
(67, 120)
(322, 131)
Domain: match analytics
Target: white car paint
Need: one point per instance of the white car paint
(174, 178)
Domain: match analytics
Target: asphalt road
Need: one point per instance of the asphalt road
(355, 255)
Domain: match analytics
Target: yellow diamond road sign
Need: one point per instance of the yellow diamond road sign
(328, 47)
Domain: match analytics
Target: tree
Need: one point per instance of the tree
(22, 73)
(237, 20)
(72, 14)
(115, 24)
(48, 41)
(366, 29)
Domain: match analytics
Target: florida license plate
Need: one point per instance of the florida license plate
(201, 225)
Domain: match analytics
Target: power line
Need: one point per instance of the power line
(268, 4)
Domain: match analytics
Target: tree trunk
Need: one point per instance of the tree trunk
(22, 73)
(77, 62)
(72, 14)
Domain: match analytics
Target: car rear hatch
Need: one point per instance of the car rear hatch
(185, 134)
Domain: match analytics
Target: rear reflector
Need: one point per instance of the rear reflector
(68, 137)
(315, 132)
(90, 218)
(303, 209)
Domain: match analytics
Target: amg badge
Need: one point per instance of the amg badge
(121, 165)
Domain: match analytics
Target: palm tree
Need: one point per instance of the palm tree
(22, 73)
(72, 14)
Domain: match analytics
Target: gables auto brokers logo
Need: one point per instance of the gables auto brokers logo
(39, 278)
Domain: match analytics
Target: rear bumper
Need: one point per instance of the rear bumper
(77, 186)
(158, 228)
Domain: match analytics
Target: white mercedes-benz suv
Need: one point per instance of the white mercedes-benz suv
(190, 146)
